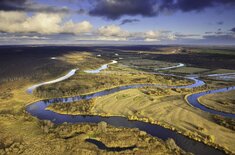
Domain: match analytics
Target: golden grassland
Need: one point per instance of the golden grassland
(83, 60)
(220, 101)
(13, 96)
(21, 133)
(164, 107)
(116, 75)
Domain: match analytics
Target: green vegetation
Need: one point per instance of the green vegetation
(23, 134)
(165, 107)
(114, 76)
(82, 107)
(68, 138)
(189, 70)
(83, 60)
(15, 124)
(34, 69)
(221, 51)
(146, 64)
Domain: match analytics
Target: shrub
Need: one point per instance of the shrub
(102, 126)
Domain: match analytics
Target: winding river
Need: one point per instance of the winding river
(38, 109)
(68, 75)
(193, 100)
(171, 67)
(105, 66)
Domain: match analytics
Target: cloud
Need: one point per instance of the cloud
(126, 21)
(198, 5)
(76, 28)
(219, 32)
(42, 23)
(220, 38)
(233, 29)
(14, 37)
(160, 36)
(113, 30)
(152, 35)
(115, 9)
(6, 38)
(220, 23)
(12, 5)
(116, 33)
(188, 36)
(208, 32)
(30, 6)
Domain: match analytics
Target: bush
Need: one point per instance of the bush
(46, 125)
(102, 126)
(211, 138)
(171, 144)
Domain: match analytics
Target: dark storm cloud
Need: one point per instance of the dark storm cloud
(190, 5)
(126, 21)
(198, 5)
(114, 9)
(12, 5)
(28, 5)
(233, 29)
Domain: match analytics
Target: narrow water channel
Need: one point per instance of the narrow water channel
(38, 109)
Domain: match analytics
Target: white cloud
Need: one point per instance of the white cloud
(82, 27)
(13, 37)
(113, 30)
(47, 24)
(43, 23)
(171, 37)
(159, 35)
(152, 35)
(116, 33)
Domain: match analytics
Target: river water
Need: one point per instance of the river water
(38, 109)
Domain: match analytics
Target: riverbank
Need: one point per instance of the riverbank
(23, 133)
(67, 138)
(114, 76)
(224, 102)
(156, 110)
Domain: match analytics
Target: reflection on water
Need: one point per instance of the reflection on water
(102, 146)
(193, 100)
(103, 67)
(185, 143)
(68, 75)
(171, 67)
(38, 109)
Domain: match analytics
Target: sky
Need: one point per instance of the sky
(206, 22)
